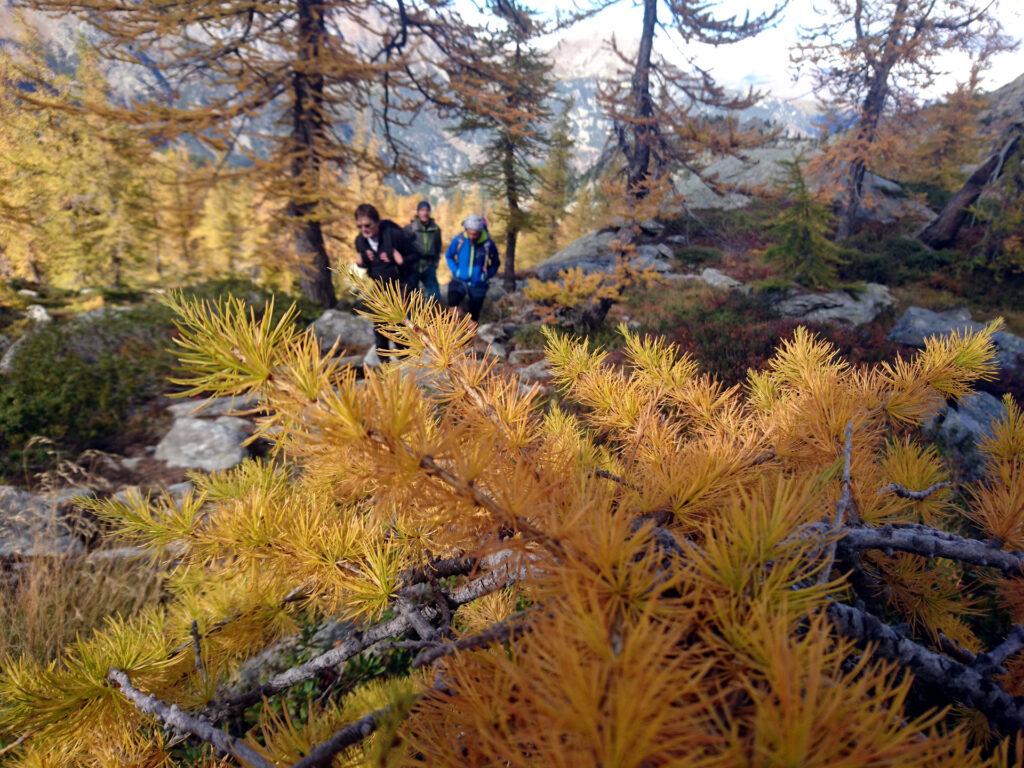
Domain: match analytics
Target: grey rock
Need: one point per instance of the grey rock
(371, 359)
(959, 429)
(5, 344)
(37, 314)
(538, 373)
(491, 332)
(351, 361)
(178, 491)
(652, 227)
(845, 307)
(494, 349)
(207, 444)
(29, 293)
(918, 324)
(131, 464)
(524, 356)
(718, 279)
(212, 407)
(653, 257)
(591, 253)
(345, 328)
(32, 525)
(677, 240)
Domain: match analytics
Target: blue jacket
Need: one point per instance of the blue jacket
(473, 263)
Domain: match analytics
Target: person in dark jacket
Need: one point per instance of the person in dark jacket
(384, 252)
(425, 238)
(473, 260)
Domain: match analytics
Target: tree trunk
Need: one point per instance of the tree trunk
(514, 216)
(867, 131)
(644, 131)
(943, 231)
(308, 127)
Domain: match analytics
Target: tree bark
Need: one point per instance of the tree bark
(643, 130)
(943, 231)
(871, 115)
(308, 127)
(514, 214)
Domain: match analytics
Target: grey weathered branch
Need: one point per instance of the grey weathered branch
(173, 717)
(504, 574)
(930, 542)
(512, 627)
(843, 506)
(993, 662)
(962, 682)
(906, 493)
(322, 755)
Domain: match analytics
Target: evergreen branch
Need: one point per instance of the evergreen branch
(930, 542)
(906, 493)
(961, 682)
(174, 717)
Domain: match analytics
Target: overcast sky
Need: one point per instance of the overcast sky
(764, 60)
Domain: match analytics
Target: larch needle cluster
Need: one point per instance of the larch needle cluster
(646, 569)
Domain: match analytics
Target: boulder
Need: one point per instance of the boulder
(591, 253)
(718, 279)
(656, 257)
(33, 525)
(918, 324)
(29, 293)
(845, 307)
(537, 373)
(212, 407)
(959, 428)
(347, 329)
(37, 314)
(651, 227)
(371, 359)
(207, 444)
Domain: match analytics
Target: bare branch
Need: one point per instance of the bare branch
(961, 682)
(843, 506)
(929, 542)
(173, 717)
(906, 493)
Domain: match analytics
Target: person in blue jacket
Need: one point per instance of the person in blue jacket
(473, 260)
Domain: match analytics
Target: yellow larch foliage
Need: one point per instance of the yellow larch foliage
(671, 542)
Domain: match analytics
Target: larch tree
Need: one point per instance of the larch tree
(507, 102)
(872, 58)
(666, 571)
(291, 74)
(660, 110)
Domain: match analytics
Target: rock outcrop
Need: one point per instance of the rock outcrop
(207, 444)
(959, 428)
(918, 324)
(33, 525)
(351, 332)
(844, 307)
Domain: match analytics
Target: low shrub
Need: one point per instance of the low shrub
(892, 260)
(698, 256)
(76, 383)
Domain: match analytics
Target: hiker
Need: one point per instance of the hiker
(425, 238)
(473, 260)
(385, 254)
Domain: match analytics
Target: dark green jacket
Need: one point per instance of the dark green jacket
(425, 240)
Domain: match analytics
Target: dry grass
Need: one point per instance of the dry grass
(47, 601)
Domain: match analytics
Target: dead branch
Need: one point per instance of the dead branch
(906, 493)
(843, 506)
(962, 682)
(501, 576)
(930, 542)
(173, 717)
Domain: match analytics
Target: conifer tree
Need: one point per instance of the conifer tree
(656, 106)
(872, 59)
(557, 180)
(804, 251)
(673, 572)
(302, 68)
(509, 105)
